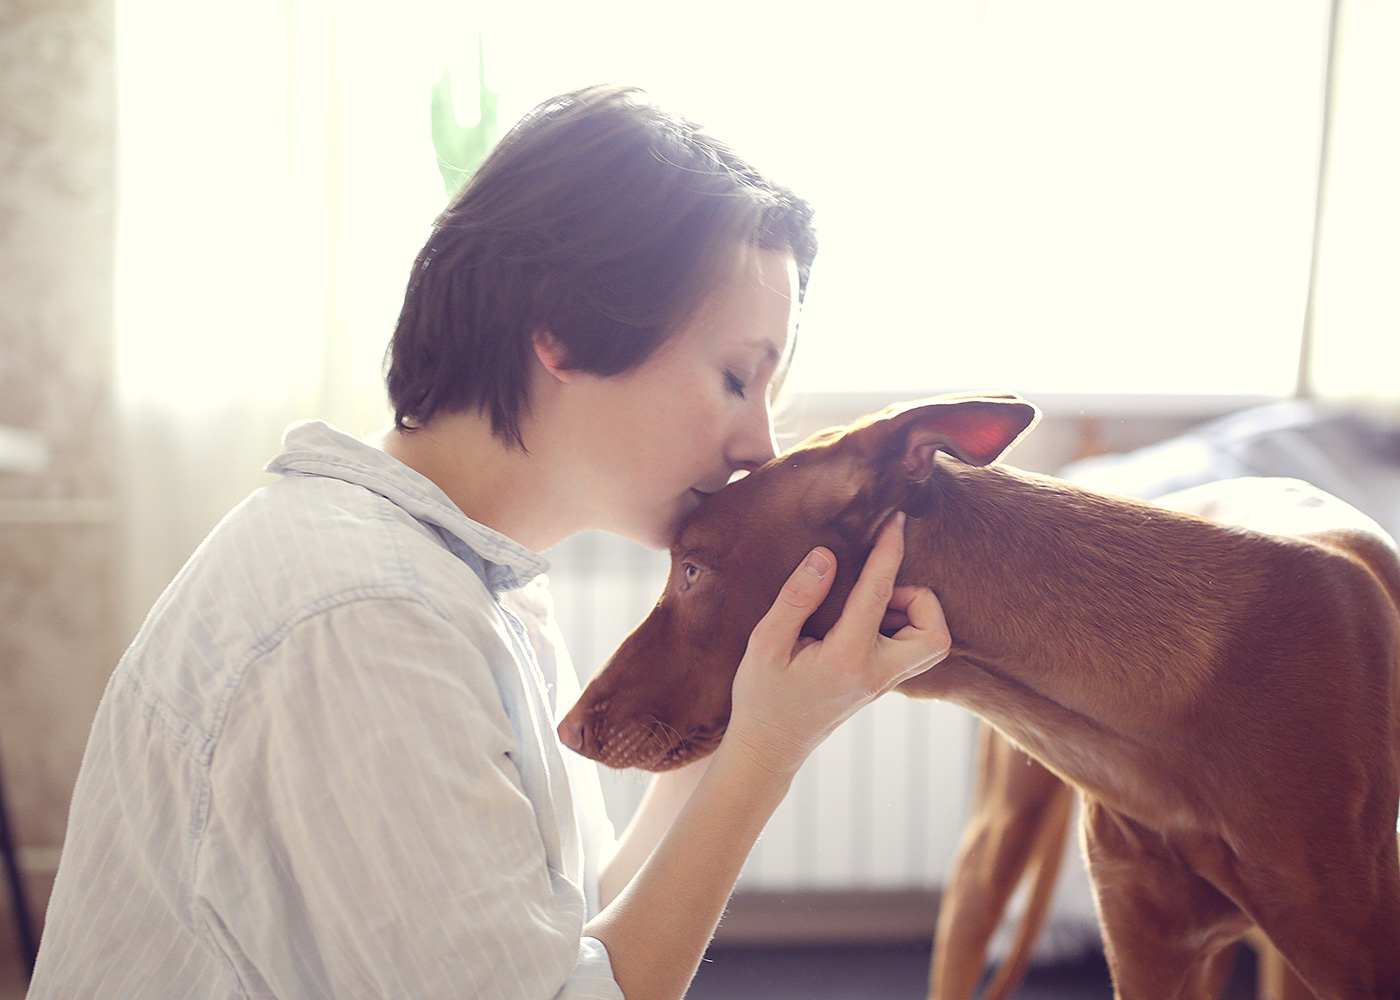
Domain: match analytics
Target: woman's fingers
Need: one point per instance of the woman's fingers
(778, 630)
(922, 638)
(789, 692)
(922, 611)
(870, 597)
(922, 642)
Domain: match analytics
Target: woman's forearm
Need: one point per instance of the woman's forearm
(660, 805)
(658, 927)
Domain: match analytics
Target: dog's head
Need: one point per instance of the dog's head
(662, 700)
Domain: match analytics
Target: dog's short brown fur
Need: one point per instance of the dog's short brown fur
(1224, 699)
(1017, 831)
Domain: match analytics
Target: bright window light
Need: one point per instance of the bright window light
(1086, 196)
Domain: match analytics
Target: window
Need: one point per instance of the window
(1087, 196)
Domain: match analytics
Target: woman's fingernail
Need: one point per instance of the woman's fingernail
(817, 563)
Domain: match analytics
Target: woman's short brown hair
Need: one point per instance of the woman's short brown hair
(599, 218)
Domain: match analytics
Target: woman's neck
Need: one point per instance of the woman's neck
(506, 488)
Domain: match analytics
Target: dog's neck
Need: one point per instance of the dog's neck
(1110, 585)
(1105, 606)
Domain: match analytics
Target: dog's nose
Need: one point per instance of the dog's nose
(571, 733)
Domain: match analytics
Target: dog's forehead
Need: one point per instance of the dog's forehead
(720, 519)
(787, 486)
(785, 477)
(820, 453)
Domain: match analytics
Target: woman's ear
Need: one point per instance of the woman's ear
(553, 355)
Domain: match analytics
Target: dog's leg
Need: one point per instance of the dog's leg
(1166, 929)
(1215, 971)
(1274, 980)
(1048, 855)
(1324, 887)
(1020, 815)
(1343, 940)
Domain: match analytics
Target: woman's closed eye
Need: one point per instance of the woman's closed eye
(734, 384)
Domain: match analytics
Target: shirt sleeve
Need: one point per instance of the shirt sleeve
(368, 832)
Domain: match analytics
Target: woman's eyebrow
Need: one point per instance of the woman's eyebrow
(769, 349)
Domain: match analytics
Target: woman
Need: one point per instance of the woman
(327, 765)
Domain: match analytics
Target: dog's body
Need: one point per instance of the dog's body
(1225, 699)
(1021, 810)
(1017, 831)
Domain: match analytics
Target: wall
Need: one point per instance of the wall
(57, 544)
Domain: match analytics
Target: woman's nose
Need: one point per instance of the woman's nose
(755, 443)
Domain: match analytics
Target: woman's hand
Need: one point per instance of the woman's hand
(790, 693)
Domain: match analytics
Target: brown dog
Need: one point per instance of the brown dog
(1225, 699)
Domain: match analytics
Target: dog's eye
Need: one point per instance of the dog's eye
(690, 573)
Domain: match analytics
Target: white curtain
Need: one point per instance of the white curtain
(275, 179)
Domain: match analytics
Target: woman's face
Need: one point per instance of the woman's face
(674, 429)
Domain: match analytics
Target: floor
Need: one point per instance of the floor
(885, 972)
(831, 972)
(828, 972)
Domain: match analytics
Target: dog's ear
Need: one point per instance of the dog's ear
(976, 430)
(893, 451)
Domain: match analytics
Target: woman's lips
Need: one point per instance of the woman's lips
(697, 497)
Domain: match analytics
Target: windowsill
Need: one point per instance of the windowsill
(1054, 404)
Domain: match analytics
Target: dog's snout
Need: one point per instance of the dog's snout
(571, 732)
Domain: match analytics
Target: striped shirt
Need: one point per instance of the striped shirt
(327, 765)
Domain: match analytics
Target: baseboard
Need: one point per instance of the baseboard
(841, 916)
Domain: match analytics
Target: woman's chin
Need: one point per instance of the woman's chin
(658, 540)
(656, 530)
(655, 533)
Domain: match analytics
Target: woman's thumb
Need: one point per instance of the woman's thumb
(800, 596)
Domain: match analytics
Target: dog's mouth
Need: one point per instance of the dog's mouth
(646, 743)
(701, 742)
(656, 747)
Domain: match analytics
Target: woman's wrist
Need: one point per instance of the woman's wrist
(765, 754)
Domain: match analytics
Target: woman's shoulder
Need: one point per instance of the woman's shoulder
(289, 562)
(320, 537)
(305, 545)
